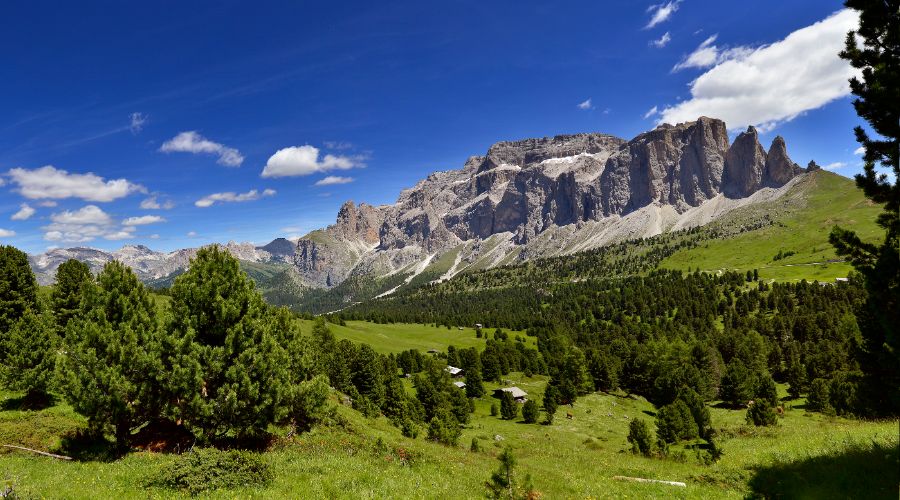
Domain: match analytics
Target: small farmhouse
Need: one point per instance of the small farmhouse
(518, 394)
(461, 385)
(454, 371)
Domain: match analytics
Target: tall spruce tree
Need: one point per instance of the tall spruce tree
(229, 374)
(878, 102)
(29, 349)
(18, 288)
(109, 370)
(72, 277)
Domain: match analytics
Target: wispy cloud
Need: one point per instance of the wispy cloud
(859, 151)
(86, 224)
(662, 41)
(54, 183)
(586, 104)
(650, 112)
(835, 165)
(25, 212)
(661, 12)
(6, 233)
(338, 145)
(143, 220)
(152, 203)
(137, 122)
(706, 54)
(192, 142)
(304, 160)
(766, 86)
(331, 180)
(231, 197)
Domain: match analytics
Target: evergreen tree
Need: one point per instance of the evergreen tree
(819, 398)
(761, 413)
(109, 370)
(509, 409)
(877, 98)
(18, 288)
(530, 411)
(699, 411)
(550, 403)
(230, 374)
(72, 277)
(29, 353)
(675, 422)
(504, 481)
(474, 385)
(443, 427)
(640, 437)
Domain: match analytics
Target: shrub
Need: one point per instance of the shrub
(444, 427)
(210, 469)
(675, 422)
(494, 410)
(530, 412)
(761, 413)
(640, 437)
(818, 397)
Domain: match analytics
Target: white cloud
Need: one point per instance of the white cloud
(6, 233)
(152, 203)
(192, 234)
(661, 12)
(230, 197)
(83, 225)
(860, 151)
(775, 83)
(586, 104)
(25, 212)
(835, 165)
(192, 142)
(142, 220)
(662, 41)
(154, 236)
(650, 112)
(331, 180)
(50, 182)
(706, 54)
(47, 204)
(137, 122)
(304, 160)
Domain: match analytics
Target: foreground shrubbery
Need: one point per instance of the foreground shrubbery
(205, 469)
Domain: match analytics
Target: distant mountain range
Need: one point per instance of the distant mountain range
(521, 200)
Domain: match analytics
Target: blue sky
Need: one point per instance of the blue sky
(176, 124)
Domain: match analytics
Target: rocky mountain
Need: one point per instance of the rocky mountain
(550, 196)
(521, 200)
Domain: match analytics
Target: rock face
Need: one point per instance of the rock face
(522, 199)
(525, 192)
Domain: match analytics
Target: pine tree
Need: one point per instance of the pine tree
(474, 385)
(509, 409)
(72, 277)
(877, 98)
(29, 354)
(18, 288)
(109, 370)
(550, 403)
(640, 437)
(530, 411)
(229, 372)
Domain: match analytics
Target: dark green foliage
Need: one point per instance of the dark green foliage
(739, 385)
(509, 409)
(18, 288)
(766, 390)
(530, 411)
(550, 403)
(110, 368)
(443, 427)
(310, 402)
(495, 410)
(474, 447)
(761, 413)
(474, 385)
(640, 437)
(228, 372)
(29, 353)
(674, 422)
(699, 412)
(819, 398)
(72, 277)
(877, 97)
(205, 469)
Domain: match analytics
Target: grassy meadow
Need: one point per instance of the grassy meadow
(805, 456)
(802, 226)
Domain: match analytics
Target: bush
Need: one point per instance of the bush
(444, 428)
(640, 437)
(494, 410)
(761, 413)
(818, 398)
(675, 422)
(211, 469)
(530, 412)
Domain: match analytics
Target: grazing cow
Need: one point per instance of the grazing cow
(569, 415)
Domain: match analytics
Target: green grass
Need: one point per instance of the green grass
(804, 218)
(804, 456)
(399, 337)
